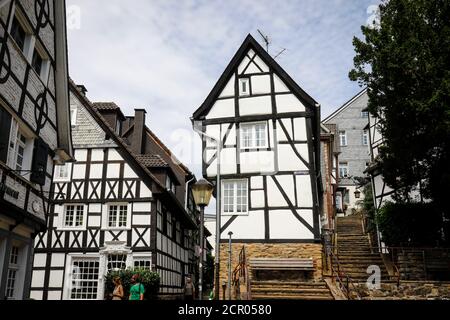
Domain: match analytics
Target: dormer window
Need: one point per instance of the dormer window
(118, 127)
(170, 185)
(244, 86)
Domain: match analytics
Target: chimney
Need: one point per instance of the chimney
(82, 88)
(138, 132)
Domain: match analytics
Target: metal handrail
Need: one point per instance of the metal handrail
(341, 274)
(241, 271)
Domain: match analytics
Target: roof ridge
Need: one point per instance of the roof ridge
(251, 43)
(88, 105)
(344, 106)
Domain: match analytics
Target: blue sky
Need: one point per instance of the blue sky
(166, 55)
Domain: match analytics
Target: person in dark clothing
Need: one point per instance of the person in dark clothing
(189, 290)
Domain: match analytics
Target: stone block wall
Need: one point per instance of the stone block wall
(269, 250)
(407, 290)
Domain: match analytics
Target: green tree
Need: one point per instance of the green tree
(405, 63)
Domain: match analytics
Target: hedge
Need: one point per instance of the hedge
(410, 224)
(150, 280)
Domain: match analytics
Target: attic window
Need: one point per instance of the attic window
(244, 86)
(73, 115)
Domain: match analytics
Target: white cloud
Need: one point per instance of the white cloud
(166, 55)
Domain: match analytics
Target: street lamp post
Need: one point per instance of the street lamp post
(218, 206)
(202, 191)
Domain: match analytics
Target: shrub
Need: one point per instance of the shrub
(149, 279)
(410, 224)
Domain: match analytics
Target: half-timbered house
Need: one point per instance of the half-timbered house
(382, 193)
(123, 203)
(329, 159)
(34, 129)
(269, 130)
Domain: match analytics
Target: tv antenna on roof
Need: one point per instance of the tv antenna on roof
(280, 53)
(265, 39)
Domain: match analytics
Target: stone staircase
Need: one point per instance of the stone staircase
(292, 290)
(353, 250)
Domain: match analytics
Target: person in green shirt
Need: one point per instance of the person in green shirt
(137, 289)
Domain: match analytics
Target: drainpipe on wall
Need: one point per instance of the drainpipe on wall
(187, 193)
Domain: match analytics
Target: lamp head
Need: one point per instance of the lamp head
(202, 191)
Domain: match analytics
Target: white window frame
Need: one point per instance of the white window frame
(343, 137)
(365, 138)
(69, 273)
(364, 114)
(124, 261)
(57, 175)
(73, 115)
(170, 185)
(106, 216)
(142, 257)
(245, 81)
(63, 217)
(341, 167)
(30, 45)
(45, 64)
(13, 147)
(252, 126)
(234, 212)
(118, 127)
(29, 41)
(18, 267)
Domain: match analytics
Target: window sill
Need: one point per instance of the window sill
(235, 214)
(82, 228)
(116, 228)
(264, 148)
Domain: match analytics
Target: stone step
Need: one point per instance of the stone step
(274, 291)
(350, 247)
(360, 271)
(362, 275)
(360, 261)
(288, 283)
(355, 255)
(291, 297)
